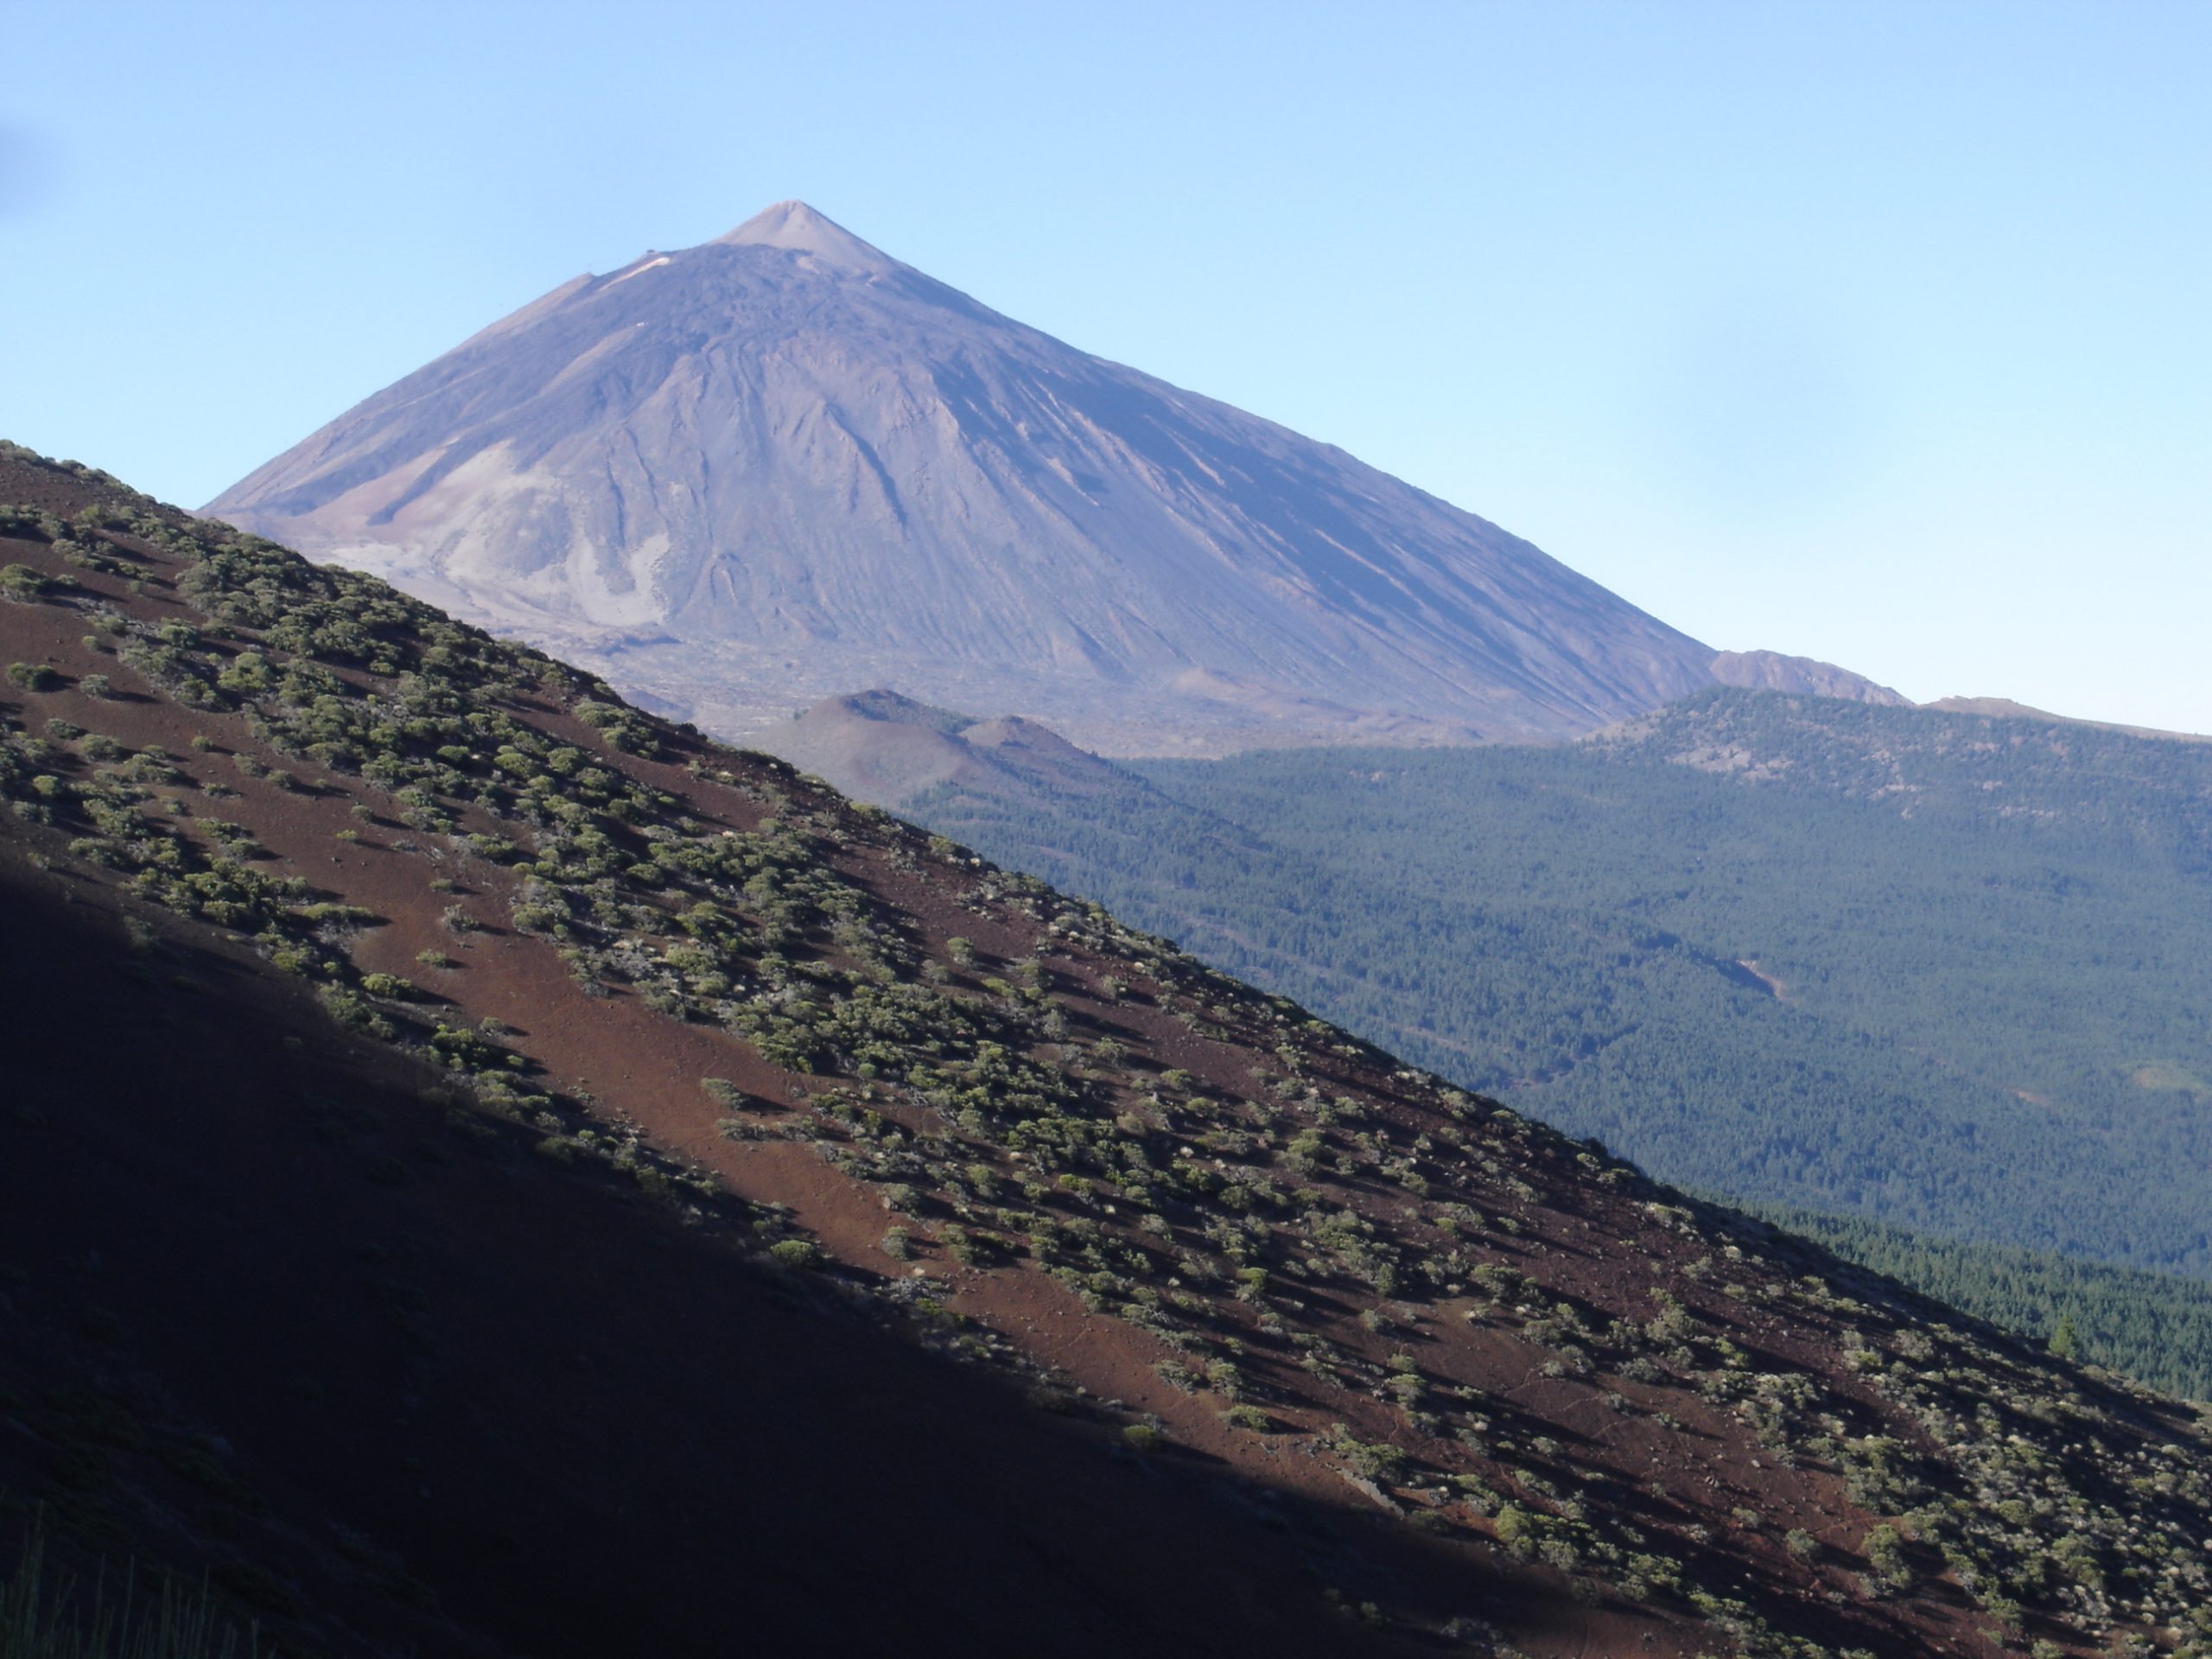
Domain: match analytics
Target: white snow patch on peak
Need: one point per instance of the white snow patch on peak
(639, 271)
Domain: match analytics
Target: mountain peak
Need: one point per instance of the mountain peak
(816, 468)
(795, 225)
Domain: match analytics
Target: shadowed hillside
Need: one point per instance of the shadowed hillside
(498, 1172)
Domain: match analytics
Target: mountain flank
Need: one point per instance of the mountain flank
(553, 1137)
(742, 476)
(2006, 708)
(1770, 671)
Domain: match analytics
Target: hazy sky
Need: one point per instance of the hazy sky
(1880, 333)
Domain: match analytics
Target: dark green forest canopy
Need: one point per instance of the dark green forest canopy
(1947, 971)
(2155, 1327)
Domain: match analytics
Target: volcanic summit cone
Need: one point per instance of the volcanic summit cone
(782, 464)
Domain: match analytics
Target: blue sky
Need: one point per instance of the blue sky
(1877, 333)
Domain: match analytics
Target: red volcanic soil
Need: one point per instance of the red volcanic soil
(280, 1303)
(435, 1387)
(273, 1312)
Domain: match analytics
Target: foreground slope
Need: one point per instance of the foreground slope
(747, 475)
(393, 1379)
(1278, 1310)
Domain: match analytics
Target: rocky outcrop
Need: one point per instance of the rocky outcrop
(1770, 671)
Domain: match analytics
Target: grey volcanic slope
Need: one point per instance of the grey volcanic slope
(755, 472)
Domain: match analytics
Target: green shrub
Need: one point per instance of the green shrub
(1884, 1552)
(33, 676)
(1377, 1460)
(969, 1249)
(348, 1010)
(795, 1253)
(1516, 1528)
(725, 1093)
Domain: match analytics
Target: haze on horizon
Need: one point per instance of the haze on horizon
(1869, 333)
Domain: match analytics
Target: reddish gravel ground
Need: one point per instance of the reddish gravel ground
(462, 1397)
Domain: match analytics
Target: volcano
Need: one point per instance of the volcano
(783, 465)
